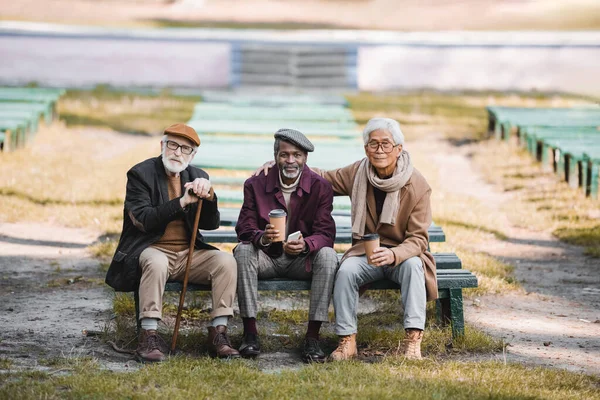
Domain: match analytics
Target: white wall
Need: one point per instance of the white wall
(73, 62)
(573, 69)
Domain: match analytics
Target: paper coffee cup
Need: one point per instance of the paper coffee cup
(277, 217)
(371, 243)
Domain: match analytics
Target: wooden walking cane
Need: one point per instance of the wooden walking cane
(186, 276)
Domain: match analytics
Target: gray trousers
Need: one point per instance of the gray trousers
(254, 264)
(356, 272)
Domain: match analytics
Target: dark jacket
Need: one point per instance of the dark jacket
(311, 205)
(147, 212)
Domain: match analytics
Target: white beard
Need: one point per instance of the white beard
(173, 167)
(292, 175)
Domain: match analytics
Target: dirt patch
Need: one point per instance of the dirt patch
(50, 290)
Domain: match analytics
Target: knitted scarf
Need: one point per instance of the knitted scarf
(366, 174)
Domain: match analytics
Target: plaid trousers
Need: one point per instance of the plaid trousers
(254, 264)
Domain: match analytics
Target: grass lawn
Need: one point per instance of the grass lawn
(184, 378)
(471, 367)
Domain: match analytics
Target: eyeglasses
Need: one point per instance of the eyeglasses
(187, 150)
(387, 147)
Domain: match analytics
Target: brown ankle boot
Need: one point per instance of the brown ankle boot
(151, 347)
(218, 343)
(346, 349)
(410, 346)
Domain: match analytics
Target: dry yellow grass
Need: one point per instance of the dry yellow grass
(542, 200)
(71, 177)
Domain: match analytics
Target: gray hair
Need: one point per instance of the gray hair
(387, 124)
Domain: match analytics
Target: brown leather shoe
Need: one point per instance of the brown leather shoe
(219, 344)
(346, 349)
(410, 346)
(151, 347)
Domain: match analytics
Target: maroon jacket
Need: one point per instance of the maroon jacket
(311, 205)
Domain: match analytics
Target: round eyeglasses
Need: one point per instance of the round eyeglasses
(187, 150)
(386, 147)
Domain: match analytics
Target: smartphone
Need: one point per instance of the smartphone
(294, 236)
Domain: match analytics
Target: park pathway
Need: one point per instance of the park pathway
(555, 319)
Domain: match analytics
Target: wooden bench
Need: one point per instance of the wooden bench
(451, 278)
(220, 111)
(502, 120)
(47, 96)
(570, 155)
(451, 281)
(592, 172)
(268, 128)
(249, 153)
(14, 131)
(272, 99)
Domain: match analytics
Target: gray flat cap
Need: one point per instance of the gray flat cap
(295, 137)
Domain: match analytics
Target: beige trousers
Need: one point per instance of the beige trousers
(213, 267)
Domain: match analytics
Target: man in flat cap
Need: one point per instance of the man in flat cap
(158, 217)
(307, 200)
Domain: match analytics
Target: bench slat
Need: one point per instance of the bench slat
(436, 235)
(447, 279)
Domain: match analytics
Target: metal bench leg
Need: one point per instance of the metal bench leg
(451, 310)
(594, 172)
(456, 313)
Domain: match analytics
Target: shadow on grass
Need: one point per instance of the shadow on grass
(116, 125)
(47, 202)
(588, 237)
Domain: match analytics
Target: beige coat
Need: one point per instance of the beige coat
(409, 236)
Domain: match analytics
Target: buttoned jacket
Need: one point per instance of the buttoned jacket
(311, 204)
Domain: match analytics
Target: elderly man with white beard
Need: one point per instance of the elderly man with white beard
(158, 217)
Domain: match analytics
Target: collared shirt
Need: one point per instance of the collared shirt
(311, 205)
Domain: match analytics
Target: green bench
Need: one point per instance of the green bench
(343, 235)
(235, 197)
(591, 175)
(573, 159)
(220, 111)
(268, 128)
(247, 154)
(42, 110)
(451, 279)
(532, 137)
(29, 116)
(501, 120)
(450, 275)
(271, 99)
(32, 95)
(15, 131)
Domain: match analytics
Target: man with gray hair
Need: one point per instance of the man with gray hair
(390, 201)
(158, 218)
(307, 200)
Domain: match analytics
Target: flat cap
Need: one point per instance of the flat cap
(184, 131)
(295, 137)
